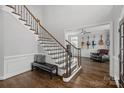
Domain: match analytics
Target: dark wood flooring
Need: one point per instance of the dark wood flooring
(92, 75)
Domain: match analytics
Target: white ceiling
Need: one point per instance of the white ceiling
(76, 15)
(57, 18)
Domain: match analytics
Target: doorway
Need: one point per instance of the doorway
(103, 27)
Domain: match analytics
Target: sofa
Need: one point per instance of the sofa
(101, 55)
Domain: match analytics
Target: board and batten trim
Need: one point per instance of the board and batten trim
(15, 65)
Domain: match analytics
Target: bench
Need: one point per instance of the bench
(40, 62)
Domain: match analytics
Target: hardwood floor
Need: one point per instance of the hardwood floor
(92, 75)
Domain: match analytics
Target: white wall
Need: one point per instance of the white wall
(58, 18)
(1, 44)
(17, 39)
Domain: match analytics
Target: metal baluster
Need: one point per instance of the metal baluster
(24, 13)
(37, 23)
(15, 8)
(29, 20)
(21, 13)
(80, 57)
(63, 60)
(31, 23)
(26, 17)
(18, 10)
(58, 55)
(123, 53)
(34, 24)
(120, 56)
(38, 27)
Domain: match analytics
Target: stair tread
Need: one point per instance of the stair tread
(32, 29)
(53, 49)
(56, 53)
(22, 19)
(36, 33)
(47, 43)
(49, 40)
(45, 37)
(60, 62)
(16, 13)
(27, 25)
(58, 57)
(50, 46)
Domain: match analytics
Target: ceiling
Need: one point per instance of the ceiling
(75, 15)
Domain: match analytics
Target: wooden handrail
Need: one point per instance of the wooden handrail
(44, 28)
(72, 44)
(10, 6)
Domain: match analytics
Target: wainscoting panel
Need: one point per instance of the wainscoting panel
(14, 65)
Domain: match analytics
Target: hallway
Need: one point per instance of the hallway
(93, 74)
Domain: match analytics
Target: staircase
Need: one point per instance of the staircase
(68, 63)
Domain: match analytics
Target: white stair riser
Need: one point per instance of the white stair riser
(56, 51)
(46, 48)
(60, 59)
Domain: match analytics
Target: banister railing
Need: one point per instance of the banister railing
(75, 54)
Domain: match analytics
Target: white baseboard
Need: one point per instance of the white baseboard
(116, 70)
(69, 78)
(14, 65)
(116, 81)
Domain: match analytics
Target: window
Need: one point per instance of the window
(74, 40)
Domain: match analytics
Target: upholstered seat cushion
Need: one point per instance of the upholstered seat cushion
(44, 65)
(40, 58)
